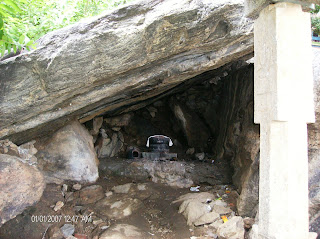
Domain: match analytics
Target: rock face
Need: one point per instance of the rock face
(69, 155)
(21, 186)
(129, 55)
(195, 131)
(238, 139)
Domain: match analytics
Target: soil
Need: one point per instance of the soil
(158, 216)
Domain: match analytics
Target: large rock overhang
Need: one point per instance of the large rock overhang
(121, 58)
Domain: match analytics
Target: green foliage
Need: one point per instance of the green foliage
(22, 22)
(315, 20)
(315, 23)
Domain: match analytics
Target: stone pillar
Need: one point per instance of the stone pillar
(283, 104)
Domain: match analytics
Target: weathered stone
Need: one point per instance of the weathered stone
(195, 131)
(248, 222)
(232, 229)
(119, 121)
(221, 209)
(58, 206)
(21, 186)
(238, 137)
(110, 147)
(96, 125)
(131, 54)
(67, 230)
(192, 210)
(122, 188)
(69, 155)
(207, 218)
(91, 194)
(254, 7)
(77, 186)
(174, 173)
(25, 151)
(54, 232)
(108, 194)
(200, 156)
(203, 197)
(123, 231)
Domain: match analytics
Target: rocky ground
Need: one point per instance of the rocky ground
(119, 207)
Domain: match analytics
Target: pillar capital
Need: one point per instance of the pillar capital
(254, 7)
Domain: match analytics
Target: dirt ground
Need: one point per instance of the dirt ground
(158, 216)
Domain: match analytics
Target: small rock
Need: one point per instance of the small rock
(116, 129)
(122, 188)
(108, 194)
(67, 230)
(77, 186)
(200, 156)
(91, 194)
(207, 218)
(64, 188)
(190, 151)
(96, 221)
(248, 222)
(232, 229)
(54, 232)
(142, 187)
(58, 206)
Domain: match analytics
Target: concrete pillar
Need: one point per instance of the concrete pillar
(283, 104)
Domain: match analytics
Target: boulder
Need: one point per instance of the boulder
(207, 218)
(68, 155)
(21, 186)
(232, 229)
(116, 60)
(196, 206)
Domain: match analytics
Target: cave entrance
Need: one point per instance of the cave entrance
(209, 119)
(212, 177)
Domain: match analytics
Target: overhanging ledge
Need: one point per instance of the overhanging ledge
(254, 7)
